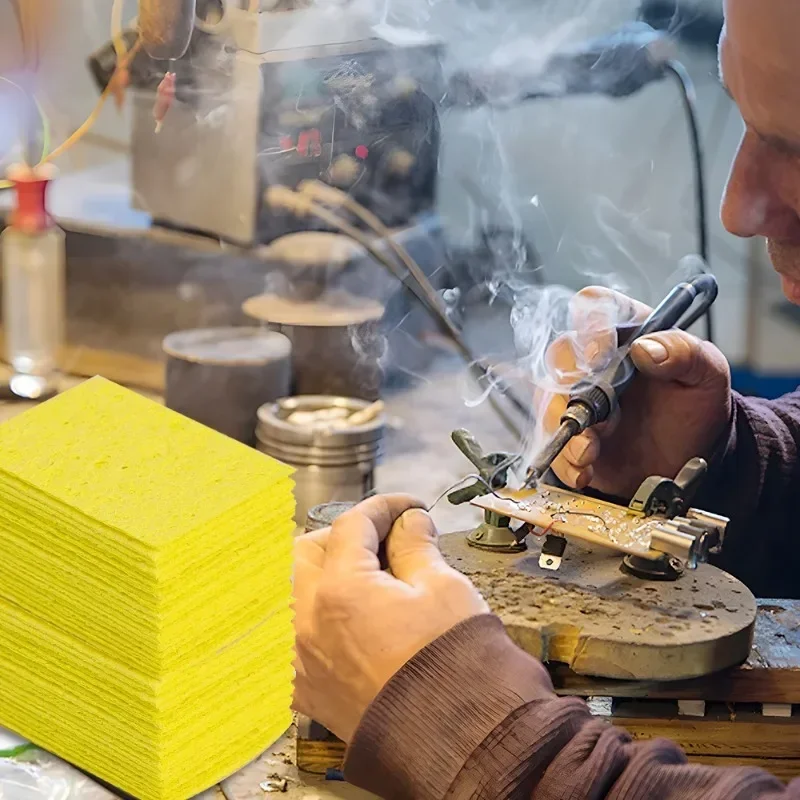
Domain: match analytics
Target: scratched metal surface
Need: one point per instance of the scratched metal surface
(605, 623)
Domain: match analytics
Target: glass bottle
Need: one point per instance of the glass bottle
(33, 261)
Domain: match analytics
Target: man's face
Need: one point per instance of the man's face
(760, 67)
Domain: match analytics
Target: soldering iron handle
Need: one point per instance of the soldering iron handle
(671, 311)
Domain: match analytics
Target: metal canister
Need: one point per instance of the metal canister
(222, 376)
(332, 464)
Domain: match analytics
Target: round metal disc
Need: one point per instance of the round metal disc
(606, 623)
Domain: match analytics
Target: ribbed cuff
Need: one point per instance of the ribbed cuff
(726, 444)
(422, 728)
(720, 461)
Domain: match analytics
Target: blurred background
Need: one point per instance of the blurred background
(518, 149)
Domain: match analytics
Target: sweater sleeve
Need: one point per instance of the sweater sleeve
(753, 480)
(473, 716)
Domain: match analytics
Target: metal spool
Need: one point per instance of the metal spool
(332, 465)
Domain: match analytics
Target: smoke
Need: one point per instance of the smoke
(551, 195)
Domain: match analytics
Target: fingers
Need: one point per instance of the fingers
(595, 313)
(597, 307)
(310, 547)
(583, 450)
(677, 356)
(413, 548)
(357, 534)
(562, 363)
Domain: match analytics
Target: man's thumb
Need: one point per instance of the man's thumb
(412, 547)
(672, 356)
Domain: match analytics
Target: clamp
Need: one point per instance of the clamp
(495, 533)
(687, 536)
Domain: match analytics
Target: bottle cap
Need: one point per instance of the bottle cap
(30, 210)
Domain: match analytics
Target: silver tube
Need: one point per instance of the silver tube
(714, 523)
(674, 543)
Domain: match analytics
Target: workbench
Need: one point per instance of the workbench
(737, 717)
(740, 717)
(415, 435)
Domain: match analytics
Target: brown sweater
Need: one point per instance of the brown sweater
(756, 482)
(472, 716)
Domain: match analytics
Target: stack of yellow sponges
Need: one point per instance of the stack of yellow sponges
(146, 631)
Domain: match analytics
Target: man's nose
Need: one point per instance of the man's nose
(752, 204)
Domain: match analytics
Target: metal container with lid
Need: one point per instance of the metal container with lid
(222, 376)
(332, 464)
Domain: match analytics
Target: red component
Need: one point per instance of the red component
(30, 212)
(362, 152)
(164, 98)
(286, 143)
(309, 143)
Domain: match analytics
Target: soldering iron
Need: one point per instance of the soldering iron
(595, 399)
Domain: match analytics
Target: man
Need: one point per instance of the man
(410, 668)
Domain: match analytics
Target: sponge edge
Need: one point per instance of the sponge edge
(146, 630)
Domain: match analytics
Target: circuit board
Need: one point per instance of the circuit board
(552, 510)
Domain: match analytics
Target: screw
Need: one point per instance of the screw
(479, 535)
(274, 785)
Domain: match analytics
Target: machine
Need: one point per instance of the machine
(273, 94)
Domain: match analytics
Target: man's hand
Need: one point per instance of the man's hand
(356, 625)
(677, 407)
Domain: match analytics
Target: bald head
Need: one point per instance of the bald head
(760, 67)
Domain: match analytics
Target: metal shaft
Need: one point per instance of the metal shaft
(548, 455)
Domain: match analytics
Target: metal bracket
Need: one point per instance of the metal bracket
(687, 536)
(495, 534)
(670, 498)
(553, 549)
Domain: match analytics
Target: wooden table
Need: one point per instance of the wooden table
(737, 707)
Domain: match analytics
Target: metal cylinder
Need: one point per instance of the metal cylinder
(675, 543)
(337, 340)
(331, 465)
(338, 361)
(711, 522)
(222, 376)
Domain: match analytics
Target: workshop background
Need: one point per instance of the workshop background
(602, 187)
(599, 190)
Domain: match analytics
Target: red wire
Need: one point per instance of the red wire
(545, 531)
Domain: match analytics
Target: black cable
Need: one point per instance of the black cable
(422, 291)
(689, 99)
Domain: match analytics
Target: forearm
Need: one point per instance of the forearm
(472, 716)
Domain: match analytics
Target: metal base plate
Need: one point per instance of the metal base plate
(606, 623)
(495, 539)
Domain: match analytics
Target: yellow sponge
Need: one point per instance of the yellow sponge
(146, 631)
